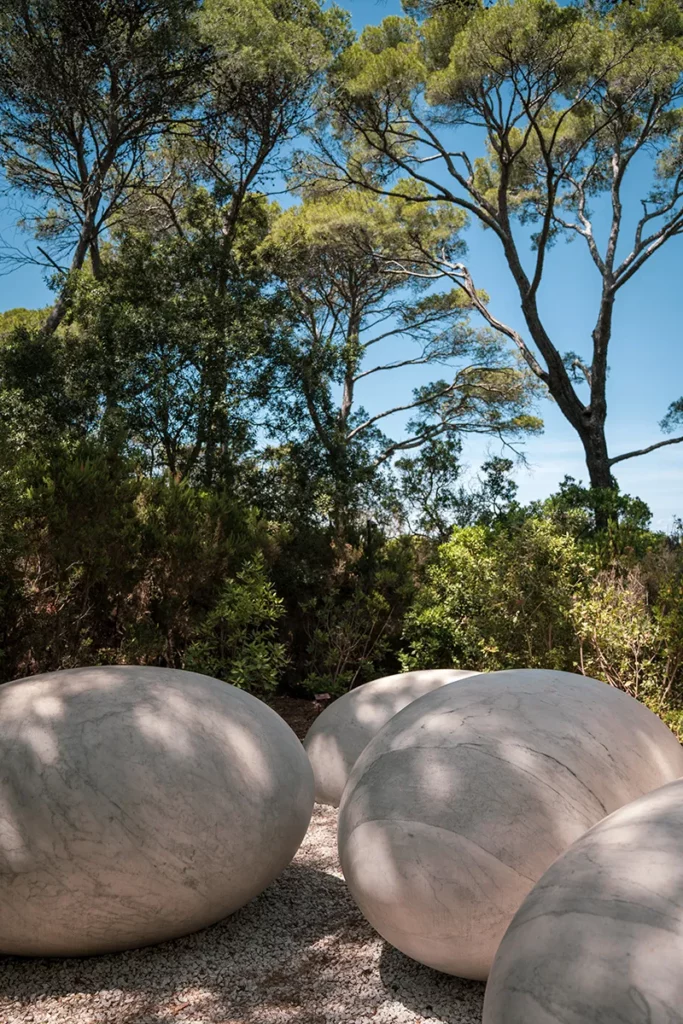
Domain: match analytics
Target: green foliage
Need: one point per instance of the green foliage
(353, 626)
(86, 88)
(265, 44)
(434, 499)
(618, 636)
(583, 511)
(237, 639)
(346, 639)
(629, 623)
(103, 565)
(540, 590)
(674, 416)
(497, 598)
(187, 474)
(176, 358)
(31, 319)
(342, 256)
(269, 58)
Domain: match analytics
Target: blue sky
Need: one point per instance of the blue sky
(646, 355)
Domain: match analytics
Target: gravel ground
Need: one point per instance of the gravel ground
(301, 953)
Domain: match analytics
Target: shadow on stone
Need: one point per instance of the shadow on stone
(139, 804)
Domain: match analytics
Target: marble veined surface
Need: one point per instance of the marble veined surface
(341, 733)
(138, 804)
(599, 939)
(463, 800)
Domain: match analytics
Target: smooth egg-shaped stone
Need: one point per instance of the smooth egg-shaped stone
(341, 733)
(599, 939)
(457, 807)
(139, 804)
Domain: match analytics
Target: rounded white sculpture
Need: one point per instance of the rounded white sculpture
(341, 733)
(457, 807)
(139, 804)
(599, 939)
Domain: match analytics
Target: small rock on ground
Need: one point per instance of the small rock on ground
(299, 954)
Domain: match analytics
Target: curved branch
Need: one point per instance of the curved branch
(395, 366)
(402, 408)
(645, 451)
(459, 273)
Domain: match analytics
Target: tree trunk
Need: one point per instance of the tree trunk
(597, 462)
(351, 358)
(96, 259)
(597, 459)
(85, 243)
(56, 314)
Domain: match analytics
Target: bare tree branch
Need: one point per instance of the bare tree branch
(645, 451)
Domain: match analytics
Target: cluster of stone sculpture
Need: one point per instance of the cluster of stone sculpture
(456, 809)
(519, 826)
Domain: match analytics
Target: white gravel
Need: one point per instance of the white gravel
(301, 953)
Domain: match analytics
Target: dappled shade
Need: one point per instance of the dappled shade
(464, 799)
(338, 737)
(139, 804)
(600, 937)
(300, 953)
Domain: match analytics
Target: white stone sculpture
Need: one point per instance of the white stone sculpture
(599, 939)
(341, 733)
(139, 804)
(462, 801)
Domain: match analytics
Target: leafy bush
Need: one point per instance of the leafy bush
(497, 598)
(102, 565)
(618, 636)
(629, 624)
(346, 639)
(543, 589)
(353, 625)
(237, 639)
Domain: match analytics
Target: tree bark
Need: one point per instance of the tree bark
(592, 434)
(85, 243)
(351, 369)
(595, 448)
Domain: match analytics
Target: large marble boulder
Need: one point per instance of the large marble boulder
(139, 804)
(599, 939)
(341, 733)
(462, 801)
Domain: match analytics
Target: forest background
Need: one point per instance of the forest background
(244, 226)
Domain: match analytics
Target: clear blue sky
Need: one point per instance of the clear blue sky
(646, 355)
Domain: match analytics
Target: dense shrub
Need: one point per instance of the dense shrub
(107, 558)
(102, 565)
(353, 628)
(629, 624)
(541, 591)
(498, 598)
(237, 638)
